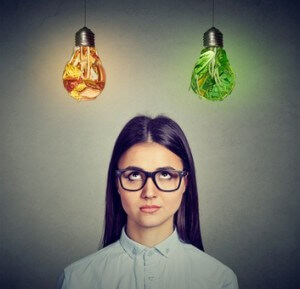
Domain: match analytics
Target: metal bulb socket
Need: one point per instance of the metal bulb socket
(213, 37)
(85, 37)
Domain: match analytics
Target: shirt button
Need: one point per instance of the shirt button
(150, 253)
(150, 278)
(134, 251)
(168, 250)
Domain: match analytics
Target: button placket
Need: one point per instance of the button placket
(149, 266)
(139, 271)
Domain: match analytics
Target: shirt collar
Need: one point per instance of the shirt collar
(165, 248)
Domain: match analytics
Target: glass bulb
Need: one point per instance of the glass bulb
(212, 77)
(84, 76)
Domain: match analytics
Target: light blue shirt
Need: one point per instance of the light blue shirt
(127, 264)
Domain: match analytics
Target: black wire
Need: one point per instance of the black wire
(84, 12)
(213, 13)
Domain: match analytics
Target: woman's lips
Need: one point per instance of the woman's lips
(149, 209)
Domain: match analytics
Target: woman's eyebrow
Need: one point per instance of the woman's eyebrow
(157, 169)
(165, 168)
(133, 168)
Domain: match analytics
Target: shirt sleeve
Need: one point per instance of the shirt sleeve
(60, 281)
(233, 284)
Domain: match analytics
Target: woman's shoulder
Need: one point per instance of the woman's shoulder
(207, 265)
(195, 253)
(96, 259)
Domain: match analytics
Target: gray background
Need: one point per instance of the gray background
(55, 151)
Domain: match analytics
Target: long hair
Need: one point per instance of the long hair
(166, 132)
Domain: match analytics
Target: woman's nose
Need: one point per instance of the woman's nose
(149, 190)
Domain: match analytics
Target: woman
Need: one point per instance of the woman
(152, 234)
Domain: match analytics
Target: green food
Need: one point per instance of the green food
(212, 77)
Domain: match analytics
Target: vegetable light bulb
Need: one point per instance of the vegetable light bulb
(84, 76)
(212, 77)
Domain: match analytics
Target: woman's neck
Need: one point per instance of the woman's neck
(146, 236)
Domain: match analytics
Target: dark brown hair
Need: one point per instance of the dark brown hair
(166, 132)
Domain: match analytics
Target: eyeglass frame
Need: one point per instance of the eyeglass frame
(151, 175)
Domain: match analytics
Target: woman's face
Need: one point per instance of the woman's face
(150, 156)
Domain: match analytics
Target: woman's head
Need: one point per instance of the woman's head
(149, 144)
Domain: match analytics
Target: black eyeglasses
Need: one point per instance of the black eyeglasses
(165, 180)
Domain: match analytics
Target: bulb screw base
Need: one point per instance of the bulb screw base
(213, 37)
(85, 37)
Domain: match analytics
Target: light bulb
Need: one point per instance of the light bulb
(212, 77)
(84, 76)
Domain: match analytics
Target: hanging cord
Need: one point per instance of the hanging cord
(85, 13)
(213, 13)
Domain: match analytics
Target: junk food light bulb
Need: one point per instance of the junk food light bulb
(212, 77)
(84, 76)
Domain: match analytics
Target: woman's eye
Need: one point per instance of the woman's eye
(165, 175)
(134, 176)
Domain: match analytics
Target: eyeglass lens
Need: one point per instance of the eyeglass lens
(164, 180)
